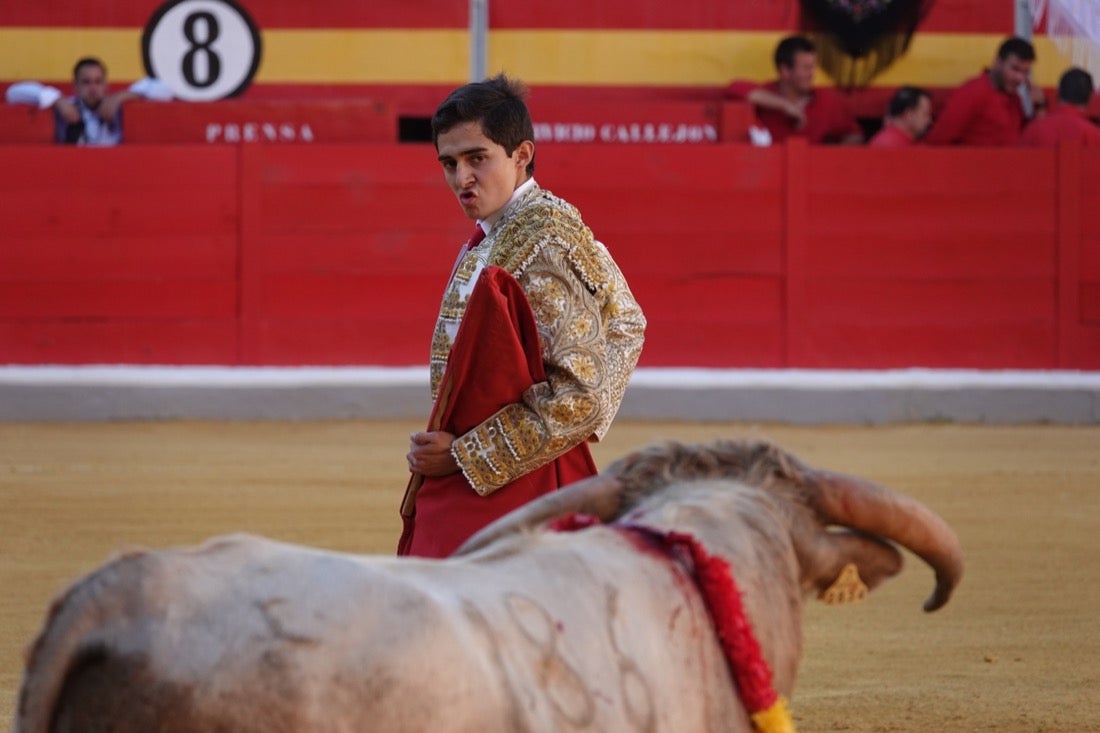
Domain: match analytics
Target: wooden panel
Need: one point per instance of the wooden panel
(196, 168)
(690, 255)
(994, 172)
(1088, 189)
(25, 124)
(723, 346)
(943, 346)
(325, 254)
(122, 255)
(932, 213)
(397, 341)
(718, 209)
(720, 321)
(977, 303)
(1078, 294)
(262, 121)
(394, 251)
(654, 122)
(130, 341)
(942, 324)
(354, 165)
(126, 254)
(735, 121)
(710, 303)
(933, 257)
(367, 296)
(152, 296)
(350, 207)
(1090, 306)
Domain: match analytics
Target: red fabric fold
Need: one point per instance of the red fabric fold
(494, 359)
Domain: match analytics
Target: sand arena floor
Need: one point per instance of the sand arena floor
(1016, 651)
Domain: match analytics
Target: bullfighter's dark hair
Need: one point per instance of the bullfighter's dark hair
(497, 104)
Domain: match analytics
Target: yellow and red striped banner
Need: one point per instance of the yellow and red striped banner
(569, 57)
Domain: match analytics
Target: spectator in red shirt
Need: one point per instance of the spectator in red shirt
(908, 117)
(989, 109)
(1067, 120)
(790, 106)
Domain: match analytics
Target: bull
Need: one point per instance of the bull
(524, 629)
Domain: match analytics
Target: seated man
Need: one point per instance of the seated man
(989, 109)
(1067, 120)
(92, 116)
(791, 106)
(908, 117)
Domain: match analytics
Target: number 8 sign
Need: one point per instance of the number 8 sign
(203, 49)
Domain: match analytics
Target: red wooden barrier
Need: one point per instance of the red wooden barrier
(1078, 257)
(126, 254)
(25, 124)
(664, 122)
(234, 121)
(368, 120)
(935, 257)
(345, 253)
(791, 256)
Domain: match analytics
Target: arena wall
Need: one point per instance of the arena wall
(334, 255)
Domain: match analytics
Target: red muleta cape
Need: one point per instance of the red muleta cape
(494, 359)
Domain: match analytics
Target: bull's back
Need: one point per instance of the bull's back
(577, 632)
(244, 634)
(592, 631)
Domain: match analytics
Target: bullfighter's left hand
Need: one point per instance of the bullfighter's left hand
(430, 453)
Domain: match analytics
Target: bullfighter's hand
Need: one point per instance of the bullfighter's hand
(430, 453)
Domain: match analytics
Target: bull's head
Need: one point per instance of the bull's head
(859, 511)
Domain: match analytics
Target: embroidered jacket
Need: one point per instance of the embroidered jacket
(590, 330)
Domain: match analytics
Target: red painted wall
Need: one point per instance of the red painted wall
(957, 16)
(742, 257)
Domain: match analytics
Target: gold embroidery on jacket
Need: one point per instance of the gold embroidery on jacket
(590, 332)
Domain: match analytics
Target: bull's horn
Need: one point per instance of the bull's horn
(598, 495)
(865, 505)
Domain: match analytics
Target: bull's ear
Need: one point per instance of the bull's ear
(847, 588)
(851, 564)
(598, 495)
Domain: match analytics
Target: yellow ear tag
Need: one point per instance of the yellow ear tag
(847, 588)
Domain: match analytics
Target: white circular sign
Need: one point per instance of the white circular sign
(203, 49)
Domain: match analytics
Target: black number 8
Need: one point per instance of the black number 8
(213, 63)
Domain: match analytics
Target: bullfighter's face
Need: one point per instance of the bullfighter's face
(480, 171)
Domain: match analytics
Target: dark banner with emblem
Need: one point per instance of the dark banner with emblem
(857, 39)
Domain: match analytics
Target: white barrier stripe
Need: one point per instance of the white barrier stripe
(662, 377)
